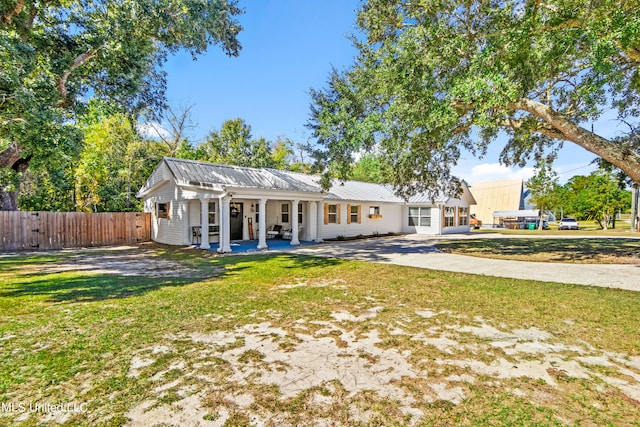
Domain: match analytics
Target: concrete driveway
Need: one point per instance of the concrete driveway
(419, 251)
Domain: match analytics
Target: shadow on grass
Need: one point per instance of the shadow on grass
(90, 287)
(84, 286)
(306, 261)
(562, 250)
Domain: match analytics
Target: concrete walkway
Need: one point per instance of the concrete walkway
(419, 251)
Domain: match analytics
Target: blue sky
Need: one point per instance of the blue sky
(288, 47)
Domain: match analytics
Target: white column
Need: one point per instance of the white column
(311, 221)
(262, 224)
(187, 227)
(204, 224)
(225, 229)
(320, 221)
(294, 223)
(221, 220)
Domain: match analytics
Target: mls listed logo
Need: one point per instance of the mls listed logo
(22, 407)
(13, 407)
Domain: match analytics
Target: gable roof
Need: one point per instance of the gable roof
(424, 198)
(190, 172)
(218, 177)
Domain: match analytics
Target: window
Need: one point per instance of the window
(332, 214)
(463, 216)
(299, 213)
(449, 216)
(419, 216)
(284, 212)
(212, 213)
(354, 214)
(374, 212)
(257, 213)
(162, 210)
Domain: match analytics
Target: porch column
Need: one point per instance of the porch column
(311, 221)
(204, 224)
(185, 207)
(319, 221)
(294, 223)
(262, 224)
(225, 231)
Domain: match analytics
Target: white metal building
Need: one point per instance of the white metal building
(238, 203)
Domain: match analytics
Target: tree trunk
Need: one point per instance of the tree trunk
(8, 200)
(605, 221)
(10, 159)
(634, 208)
(540, 224)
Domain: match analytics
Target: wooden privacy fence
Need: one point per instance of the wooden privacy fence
(57, 230)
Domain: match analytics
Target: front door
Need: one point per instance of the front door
(235, 221)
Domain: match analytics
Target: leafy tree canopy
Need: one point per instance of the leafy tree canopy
(233, 144)
(543, 186)
(597, 196)
(114, 163)
(435, 76)
(55, 55)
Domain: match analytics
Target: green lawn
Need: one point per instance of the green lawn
(293, 340)
(579, 250)
(587, 228)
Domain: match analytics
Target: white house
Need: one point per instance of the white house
(238, 203)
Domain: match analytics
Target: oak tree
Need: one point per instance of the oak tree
(434, 77)
(54, 56)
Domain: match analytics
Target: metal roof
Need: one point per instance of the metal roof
(362, 191)
(189, 172)
(349, 190)
(421, 198)
(203, 174)
(527, 213)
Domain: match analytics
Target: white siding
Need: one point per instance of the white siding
(391, 221)
(457, 203)
(195, 216)
(171, 231)
(436, 220)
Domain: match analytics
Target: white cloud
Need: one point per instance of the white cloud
(152, 130)
(492, 172)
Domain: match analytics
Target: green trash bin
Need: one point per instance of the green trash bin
(532, 226)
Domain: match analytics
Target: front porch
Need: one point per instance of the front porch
(240, 246)
(243, 223)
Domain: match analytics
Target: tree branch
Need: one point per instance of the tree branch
(77, 63)
(10, 155)
(8, 16)
(616, 153)
(633, 53)
(14, 120)
(540, 127)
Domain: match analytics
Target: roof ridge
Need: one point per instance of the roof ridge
(202, 162)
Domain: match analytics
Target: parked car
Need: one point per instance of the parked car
(568, 224)
(474, 222)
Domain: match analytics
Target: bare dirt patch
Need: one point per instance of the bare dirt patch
(238, 374)
(123, 261)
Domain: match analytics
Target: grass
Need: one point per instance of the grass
(114, 342)
(582, 250)
(587, 228)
